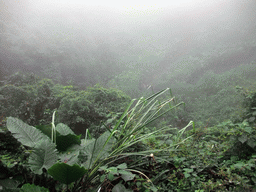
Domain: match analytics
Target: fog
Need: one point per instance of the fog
(151, 38)
(201, 49)
(66, 17)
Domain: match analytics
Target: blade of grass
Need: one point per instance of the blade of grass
(157, 94)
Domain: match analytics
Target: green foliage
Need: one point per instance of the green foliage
(27, 135)
(63, 142)
(107, 98)
(220, 154)
(120, 171)
(86, 109)
(21, 79)
(214, 97)
(75, 111)
(92, 154)
(28, 101)
(249, 104)
(64, 139)
(242, 139)
(125, 178)
(217, 158)
(129, 82)
(97, 149)
(64, 129)
(9, 144)
(33, 188)
(120, 187)
(35, 102)
(66, 173)
(44, 155)
(13, 100)
(132, 156)
(8, 185)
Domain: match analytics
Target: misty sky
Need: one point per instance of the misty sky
(156, 33)
(131, 5)
(113, 16)
(172, 20)
(122, 14)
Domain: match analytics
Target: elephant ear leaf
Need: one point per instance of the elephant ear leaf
(32, 188)
(27, 135)
(64, 129)
(66, 173)
(44, 155)
(98, 149)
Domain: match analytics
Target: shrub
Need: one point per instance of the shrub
(86, 109)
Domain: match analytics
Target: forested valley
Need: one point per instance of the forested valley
(111, 101)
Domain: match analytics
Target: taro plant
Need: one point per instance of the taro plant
(76, 162)
(44, 153)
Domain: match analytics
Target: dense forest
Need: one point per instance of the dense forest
(111, 101)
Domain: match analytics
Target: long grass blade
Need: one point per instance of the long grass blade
(53, 128)
(157, 94)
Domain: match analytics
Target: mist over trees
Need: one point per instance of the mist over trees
(89, 46)
(137, 51)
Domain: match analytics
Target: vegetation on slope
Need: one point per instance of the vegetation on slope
(124, 152)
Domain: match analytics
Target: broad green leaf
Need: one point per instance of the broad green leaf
(45, 129)
(112, 170)
(251, 119)
(251, 142)
(86, 142)
(154, 189)
(188, 170)
(65, 137)
(122, 166)
(65, 173)
(169, 142)
(254, 179)
(32, 188)
(126, 175)
(111, 177)
(102, 178)
(239, 165)
(138, 184)
(9, 183)
(124, 172)
(27, 135)
(248, 130)
(70, 157)
(44, 155)
(97, 150)
(103, 168)
(120, 187)
(242, 138)
(187, 175)
(63, 142)
(64, 129)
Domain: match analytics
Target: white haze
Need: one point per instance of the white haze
(118, 15)
(162, 24)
